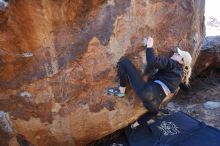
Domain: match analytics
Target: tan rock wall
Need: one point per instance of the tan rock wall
(58, 57)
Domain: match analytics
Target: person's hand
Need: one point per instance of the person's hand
(148, 41)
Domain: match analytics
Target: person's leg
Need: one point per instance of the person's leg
(146, 117)
(143, 119)
(144, 90)
(152, 96)
(127, 69)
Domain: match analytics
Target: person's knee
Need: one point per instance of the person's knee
(124, 62)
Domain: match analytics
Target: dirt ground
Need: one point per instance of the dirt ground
(202, 101)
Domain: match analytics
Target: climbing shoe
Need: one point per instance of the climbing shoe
(116, 92)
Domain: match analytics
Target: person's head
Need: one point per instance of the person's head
(183, 57)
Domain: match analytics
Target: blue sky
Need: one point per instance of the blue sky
(212, 17)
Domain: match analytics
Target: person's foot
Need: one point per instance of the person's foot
(134, 125)
(116, 92)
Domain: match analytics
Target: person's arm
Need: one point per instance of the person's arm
(154, 61)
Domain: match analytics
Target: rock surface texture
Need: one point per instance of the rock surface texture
(209, 56)
(58, 57)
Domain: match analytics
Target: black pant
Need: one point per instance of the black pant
(150, 93)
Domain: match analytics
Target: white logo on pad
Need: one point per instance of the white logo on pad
(168, 128)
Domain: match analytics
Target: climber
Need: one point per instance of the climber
(171, 71)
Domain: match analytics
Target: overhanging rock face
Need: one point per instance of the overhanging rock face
(58, 57)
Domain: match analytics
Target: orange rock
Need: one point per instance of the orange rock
(58, 57)
(13, 142)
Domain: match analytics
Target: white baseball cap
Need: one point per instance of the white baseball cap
(187, 59)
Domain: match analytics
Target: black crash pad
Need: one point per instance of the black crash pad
(177, 129)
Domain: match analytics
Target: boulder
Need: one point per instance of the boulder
(57, 58)
(209, 56)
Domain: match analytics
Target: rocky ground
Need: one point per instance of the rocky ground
(202, 101)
